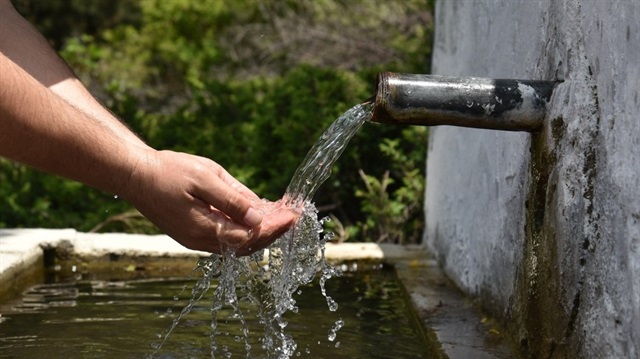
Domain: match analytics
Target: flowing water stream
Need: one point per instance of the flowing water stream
(268, 283)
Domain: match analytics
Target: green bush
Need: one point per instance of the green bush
(187, 75)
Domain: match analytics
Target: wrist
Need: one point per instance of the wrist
(140, 162)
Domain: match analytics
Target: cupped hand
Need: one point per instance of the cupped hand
(200, 205)
(277, 219)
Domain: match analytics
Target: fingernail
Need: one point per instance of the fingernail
(252, 218)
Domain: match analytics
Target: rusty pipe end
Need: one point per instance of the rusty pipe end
(381, 100)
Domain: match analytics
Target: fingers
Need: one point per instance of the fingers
(273, 226)
(214, 232)
(218, 188)
(217, 233)
(238, 186)
(230, 234)
(227, 178)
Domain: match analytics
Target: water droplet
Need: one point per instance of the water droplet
(333, 332)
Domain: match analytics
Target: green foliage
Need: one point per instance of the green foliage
(390, 210)
(60, 20)
(34, 199)
(251, 85)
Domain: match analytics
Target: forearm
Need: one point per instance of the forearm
(40, 129)
(26, 47)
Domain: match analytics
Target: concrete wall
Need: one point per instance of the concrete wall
(544, 229)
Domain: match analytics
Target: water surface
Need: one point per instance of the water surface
(124, 320)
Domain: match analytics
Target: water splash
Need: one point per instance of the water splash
(333, 333)
(268, 279)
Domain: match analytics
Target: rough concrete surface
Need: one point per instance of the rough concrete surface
(544, 228)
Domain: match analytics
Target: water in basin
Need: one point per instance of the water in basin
(102, 319)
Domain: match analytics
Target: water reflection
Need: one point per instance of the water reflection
(125, 319)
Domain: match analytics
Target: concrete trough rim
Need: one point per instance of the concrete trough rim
(443, 312)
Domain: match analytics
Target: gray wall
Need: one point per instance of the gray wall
(544, 229)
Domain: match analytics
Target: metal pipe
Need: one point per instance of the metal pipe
(429, 100)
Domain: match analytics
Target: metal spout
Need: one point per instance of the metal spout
(429, 100)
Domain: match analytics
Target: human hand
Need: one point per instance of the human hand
(277, 219)
(201, 206)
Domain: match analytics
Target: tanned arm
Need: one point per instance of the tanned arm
(49, 121)
(21, 42)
